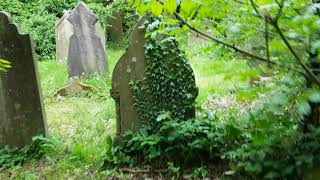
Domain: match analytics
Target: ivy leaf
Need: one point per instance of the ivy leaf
(170, 6)
(163, 116)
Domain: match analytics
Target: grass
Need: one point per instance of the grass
(81, 124)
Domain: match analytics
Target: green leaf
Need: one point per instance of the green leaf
(170, 6)
(156, 8)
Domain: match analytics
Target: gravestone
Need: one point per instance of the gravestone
(22, 114)
(115, 30)
(133, 83)
(131, 66)
(86, 54)
(63, 32)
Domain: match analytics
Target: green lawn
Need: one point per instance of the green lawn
(80, 124)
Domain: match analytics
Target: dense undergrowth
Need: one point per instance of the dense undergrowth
(261, 143)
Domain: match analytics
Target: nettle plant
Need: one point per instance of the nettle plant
(283, 34)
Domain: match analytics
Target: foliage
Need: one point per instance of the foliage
(39, 17)
(4, 65)
(283, 34)
(127, 12)
(169, 85)
(13, 156)
(264, 144)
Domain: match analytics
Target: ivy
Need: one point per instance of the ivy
(169, 85)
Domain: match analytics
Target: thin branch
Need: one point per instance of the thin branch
(267, 39)
(255, 8)
(280, 4)
(295, 54)
(274, 23)
(231, 46)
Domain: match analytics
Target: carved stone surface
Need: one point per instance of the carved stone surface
(22, 114)
(131, 66)
(64, 30)
(86, 53)
(115, 31)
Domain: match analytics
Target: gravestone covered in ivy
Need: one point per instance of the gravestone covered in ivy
(63, 32)
(86, 53)
(22, 113)
(153, 77)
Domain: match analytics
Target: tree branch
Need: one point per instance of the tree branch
(274, 23)
(267, 39)
(231, 46)
(294, 53)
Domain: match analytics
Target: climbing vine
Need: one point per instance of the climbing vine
(169, 86)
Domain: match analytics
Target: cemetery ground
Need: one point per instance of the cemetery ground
(81, 125)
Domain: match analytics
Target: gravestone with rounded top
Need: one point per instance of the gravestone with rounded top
(86, 53)
(22, 113)
(131, 66)
(139, 78)
(63, 32)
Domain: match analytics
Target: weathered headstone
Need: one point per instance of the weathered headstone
(131, 66)
(86, 53)
(22, 114)
(138, 75)
(115, 31)
(64, 30)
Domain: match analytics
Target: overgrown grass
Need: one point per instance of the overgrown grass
(81, 124)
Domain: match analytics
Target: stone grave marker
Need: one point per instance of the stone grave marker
(132, 68)
(22, 113)
(63, 32)
(115, 30)
(86, 53)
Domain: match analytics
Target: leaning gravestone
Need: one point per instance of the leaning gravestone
(63, 32)
(144, 85)
(22, 114)
(86, 53)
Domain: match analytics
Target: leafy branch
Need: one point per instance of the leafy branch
(232, 46)
(275, 23)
